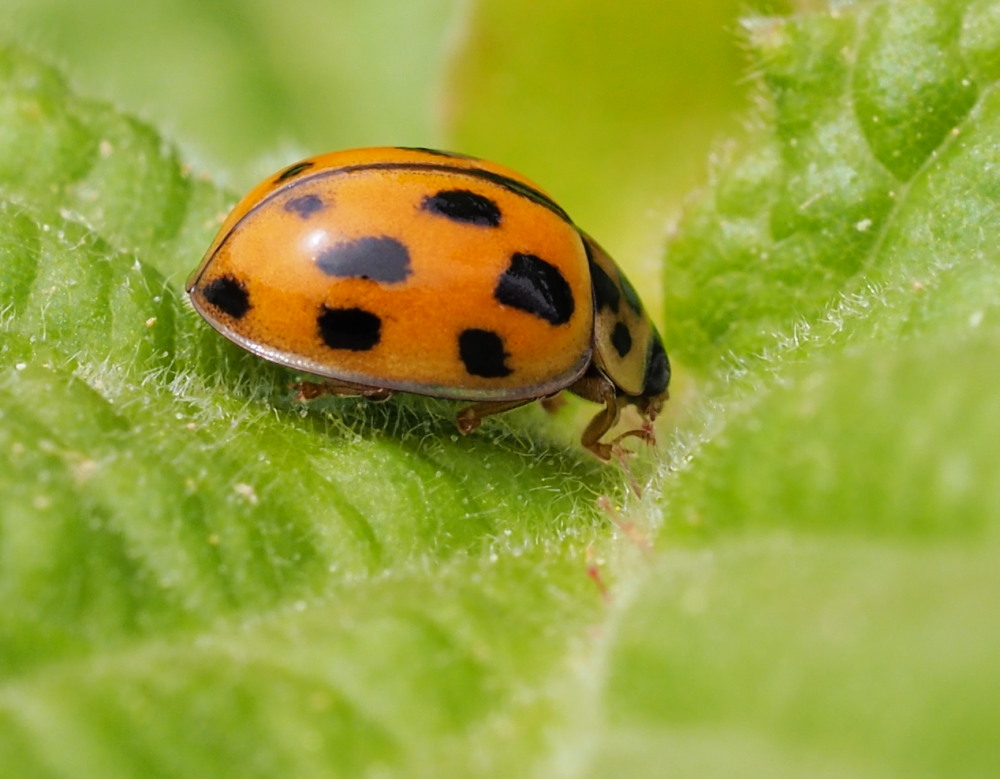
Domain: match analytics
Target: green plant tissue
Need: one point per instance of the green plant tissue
(201, 577)
(823, 602)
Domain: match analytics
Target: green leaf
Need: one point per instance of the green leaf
(200, 575)
(861, 204)
(233, 80)
(613, 110)
(820, 604)
(778, 656)
(883, 443)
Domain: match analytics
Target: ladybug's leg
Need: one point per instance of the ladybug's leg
(310, 390)
(553, 403)
(598, 388)
(469, 418)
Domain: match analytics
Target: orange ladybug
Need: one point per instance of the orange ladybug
(410, 270)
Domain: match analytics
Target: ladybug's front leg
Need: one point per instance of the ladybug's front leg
(310, 390)
(598, 388)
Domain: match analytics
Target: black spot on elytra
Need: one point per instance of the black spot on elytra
(631, 296)
(293, 171)
(305, 206)
(657, 369)
(461, 205)
(606, 294)
(228, 295)
(621, 339)
(470, 171)
(380, 259)
(349, 328)
(483, 354)
(531, 284)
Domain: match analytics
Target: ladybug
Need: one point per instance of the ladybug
(388, 270)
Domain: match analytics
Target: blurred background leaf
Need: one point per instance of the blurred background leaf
(613, 109)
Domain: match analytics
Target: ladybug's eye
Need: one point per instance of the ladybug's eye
(657, 370)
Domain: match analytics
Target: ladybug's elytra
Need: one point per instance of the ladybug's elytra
(411, 270)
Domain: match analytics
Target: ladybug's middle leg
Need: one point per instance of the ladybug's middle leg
(470, 417)
(310, 390)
